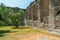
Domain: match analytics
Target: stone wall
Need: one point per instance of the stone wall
(42, 14)
(57, 21)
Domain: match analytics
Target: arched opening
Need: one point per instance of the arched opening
(57, 21)
(58, 13)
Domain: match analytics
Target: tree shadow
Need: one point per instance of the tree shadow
(25, 27)
(2, 32)
(22, 28)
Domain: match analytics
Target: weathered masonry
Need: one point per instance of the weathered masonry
(43, 14)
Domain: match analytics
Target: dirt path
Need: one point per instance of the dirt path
(34, 36)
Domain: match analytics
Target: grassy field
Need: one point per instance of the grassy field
(5, 30)
(23, 30)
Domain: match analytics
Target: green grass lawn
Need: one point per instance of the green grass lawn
(5, 30)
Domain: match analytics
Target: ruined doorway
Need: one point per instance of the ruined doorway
(58, 13)
(57, 21)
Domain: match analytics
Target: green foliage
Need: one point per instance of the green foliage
(16, 18)
(2, 23)
(7, 16)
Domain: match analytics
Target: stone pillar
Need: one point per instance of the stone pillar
(51, 16)
(38, 4)
(25, 20)
(32, 15)
(28, 16)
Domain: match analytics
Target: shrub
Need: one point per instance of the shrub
(2, 23)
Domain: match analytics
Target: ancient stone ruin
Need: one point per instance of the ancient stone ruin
(43, 14)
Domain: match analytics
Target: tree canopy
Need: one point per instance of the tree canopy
(8, 17)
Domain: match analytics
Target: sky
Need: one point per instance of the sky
(16, 3)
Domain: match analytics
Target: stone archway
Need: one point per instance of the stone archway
(58, 12)
(57, 21)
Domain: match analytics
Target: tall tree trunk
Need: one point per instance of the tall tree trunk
(17, 26)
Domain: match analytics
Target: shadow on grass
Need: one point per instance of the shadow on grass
(22, 28)
(25, 27)
(2, 32)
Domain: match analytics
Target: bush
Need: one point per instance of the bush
(2, 23)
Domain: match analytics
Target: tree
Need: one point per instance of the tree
(16, 18)
(7, 16)
(21, 12)
(1, 10)
(1, 13)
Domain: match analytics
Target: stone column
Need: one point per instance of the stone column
(51, 16)
(32, 15)
(25, 20)
(38, 4)
(28, 16)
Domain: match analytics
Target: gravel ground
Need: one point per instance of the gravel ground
(34, 36)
